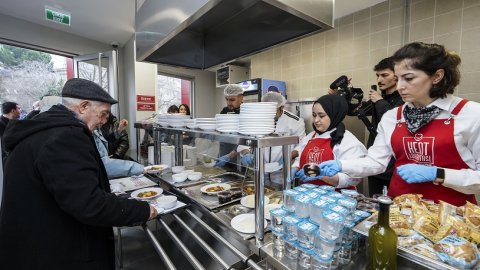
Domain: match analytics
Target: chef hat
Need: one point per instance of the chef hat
(274, 97)
(233, 90)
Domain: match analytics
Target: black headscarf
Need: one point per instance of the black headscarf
(336, 108)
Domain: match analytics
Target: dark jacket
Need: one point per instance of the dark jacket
(57, 210)
(118, 144)
(3, 125)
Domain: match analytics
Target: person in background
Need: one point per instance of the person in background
(35, 110)
(234, 97)
(286, 124)
(184, 109)
(115, 133)
(388, 99)
(172, 109)
(10, 111)
(56, 190)
(273, 88)
(328, 141)
(434, 136)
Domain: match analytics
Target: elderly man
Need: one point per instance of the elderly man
(286, 124)
(57, 210)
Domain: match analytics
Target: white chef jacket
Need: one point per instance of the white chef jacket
(349, 148)
(467, 141)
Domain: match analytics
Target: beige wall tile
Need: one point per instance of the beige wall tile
(362, 45)
(344, 20)
(331, 51)
(379, 8)
(307, 57)
(296, 47)
(469, 83)
(421, 29)
(394, 4)
(422, 10)
(470, 40)
(396, 17)
(469, 3)
(451, 41)
(318, 41)
(307, 44)
(376, 56)
(361, 76)
(471, 17)
(395, 36)
(331, 37)
(379, 40)
(361, 28)
(345, 63)
(296, 60)
(307, 70)
(361, 15)
(473, 97)
(448, 22)
(444, 6)
(379, 22)
(345, 33)
(392, 49)
(360, 60)
(470, 61)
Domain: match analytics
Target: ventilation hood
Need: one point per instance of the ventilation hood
(202, 34)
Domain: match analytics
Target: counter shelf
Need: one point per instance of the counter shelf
(256, 143)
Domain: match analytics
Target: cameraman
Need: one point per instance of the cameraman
(389, 98)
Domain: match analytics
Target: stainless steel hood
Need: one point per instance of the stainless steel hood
(202, 34)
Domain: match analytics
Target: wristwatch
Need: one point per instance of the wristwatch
(440, 176)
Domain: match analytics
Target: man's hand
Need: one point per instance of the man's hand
(332, 91)
(153, 213)
(415, 173)
(374, 96)
(330, 168)
(122, 125)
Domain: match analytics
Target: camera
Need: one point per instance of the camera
(354, 96)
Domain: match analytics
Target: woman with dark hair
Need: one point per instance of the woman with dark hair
(328, 141)
(172, 109)
(434, 136)
(184, 109)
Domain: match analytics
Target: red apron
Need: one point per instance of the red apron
(316, 151)
(433, 144)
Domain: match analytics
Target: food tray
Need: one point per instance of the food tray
(406, 253)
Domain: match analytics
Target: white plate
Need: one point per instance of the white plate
(225, 130)
(137, 192)
(204, 188)
(253, 133)
(249, 201)
(259, 104)
(269, 207)
(207, 127)
(156, 168)
(245, 223)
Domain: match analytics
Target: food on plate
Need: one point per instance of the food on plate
(147, 194)
(249, 190)
(215, 189)
(156, 168)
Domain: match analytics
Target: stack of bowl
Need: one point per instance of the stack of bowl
(227, 123)
(206, 123)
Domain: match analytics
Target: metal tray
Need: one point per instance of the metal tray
(406, 253)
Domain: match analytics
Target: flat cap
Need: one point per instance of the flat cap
(85, 89)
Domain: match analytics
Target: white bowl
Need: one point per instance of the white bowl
(178, 169)
(179, 177)
(194, 176)
(249, 201)
(167, 202)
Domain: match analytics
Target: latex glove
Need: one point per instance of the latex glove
(302, 176)
(247, 160)
(415, 173)
(330, 168)
(293, 172)
(222, 161)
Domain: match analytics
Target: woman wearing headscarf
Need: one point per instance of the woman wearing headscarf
(328, 141)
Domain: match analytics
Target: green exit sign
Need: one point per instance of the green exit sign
(58, 17)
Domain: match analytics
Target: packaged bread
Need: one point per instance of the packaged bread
(399, 223)
(460, 210)
(406, 200)
(425, 249)
(457, 251)
(472, 215)
(474, 236)
(412, 240)
(426, 224)
(445, 210)
(452, 225)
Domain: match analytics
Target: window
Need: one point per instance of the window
(27, 75)
(173, 91)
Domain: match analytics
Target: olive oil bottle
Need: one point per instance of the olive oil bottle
(382, 240)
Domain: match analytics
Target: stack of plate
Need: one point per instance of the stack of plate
(177, 120)
(206, 123)
(162, 119)
(257, 119)
(227, 123)
(190, 123)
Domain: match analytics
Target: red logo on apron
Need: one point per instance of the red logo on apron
(315, 155)
(419, 149)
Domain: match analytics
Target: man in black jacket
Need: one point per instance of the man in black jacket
(10, 110)
(57, 210)
(387, 99)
